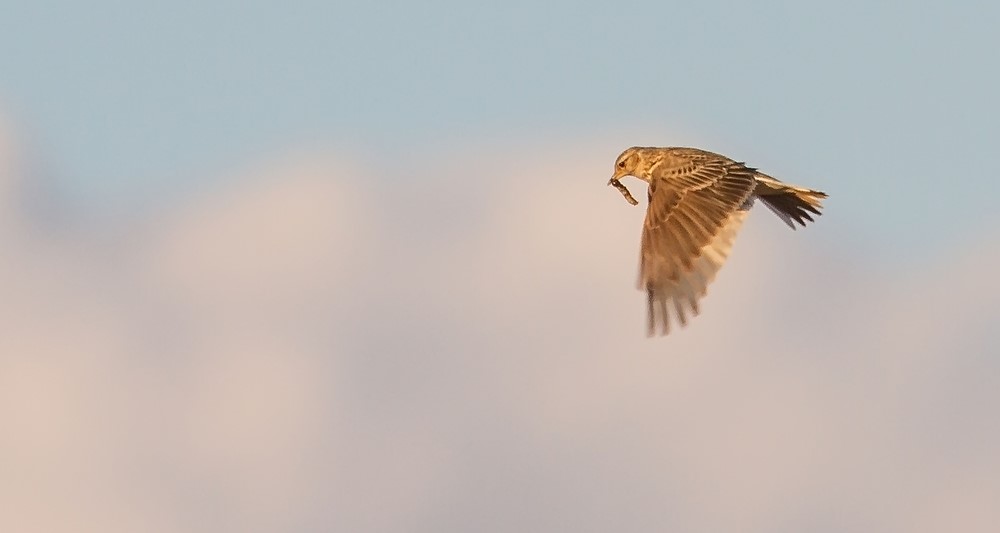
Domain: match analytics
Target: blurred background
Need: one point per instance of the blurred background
(354, 267)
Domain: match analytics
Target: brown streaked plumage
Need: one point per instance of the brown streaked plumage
(697, 203)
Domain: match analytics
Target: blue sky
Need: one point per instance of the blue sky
(874, 102)
(328, 267)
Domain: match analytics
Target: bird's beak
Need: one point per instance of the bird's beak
(616, 176)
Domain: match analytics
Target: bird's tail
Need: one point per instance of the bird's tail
(792, 204)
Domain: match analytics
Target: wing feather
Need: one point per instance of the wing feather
(691, 221)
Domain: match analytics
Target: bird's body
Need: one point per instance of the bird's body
(697, 203)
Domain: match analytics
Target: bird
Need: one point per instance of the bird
(697, 201)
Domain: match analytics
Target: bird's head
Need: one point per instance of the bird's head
(627, 164)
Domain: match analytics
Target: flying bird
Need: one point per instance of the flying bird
(697, 203)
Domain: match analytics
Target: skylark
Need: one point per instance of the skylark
(697, 203)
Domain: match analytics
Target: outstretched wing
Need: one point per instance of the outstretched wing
(695, 210)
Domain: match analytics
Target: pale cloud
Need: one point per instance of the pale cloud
(307, 347)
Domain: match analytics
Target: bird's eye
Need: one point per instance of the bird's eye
(621, 164)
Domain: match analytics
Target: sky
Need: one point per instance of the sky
(333, 267)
